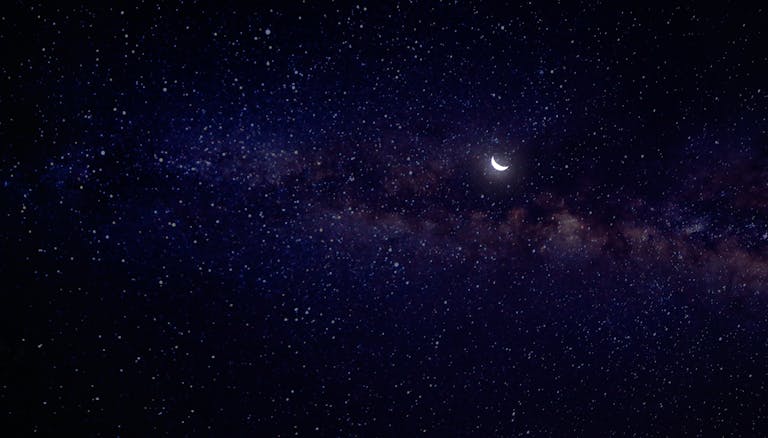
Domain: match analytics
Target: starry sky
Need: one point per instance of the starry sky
(280, 219)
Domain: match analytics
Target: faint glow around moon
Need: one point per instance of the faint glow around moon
(498, 166)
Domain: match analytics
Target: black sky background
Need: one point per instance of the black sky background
(269, 219)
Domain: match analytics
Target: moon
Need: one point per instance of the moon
(498, 166)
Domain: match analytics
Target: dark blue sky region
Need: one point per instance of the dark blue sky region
(281, 219)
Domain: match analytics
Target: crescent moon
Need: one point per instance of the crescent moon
(498, 166)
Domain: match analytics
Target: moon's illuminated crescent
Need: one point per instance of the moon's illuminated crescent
(498, 166)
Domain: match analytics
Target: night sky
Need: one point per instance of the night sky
(282, 220)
